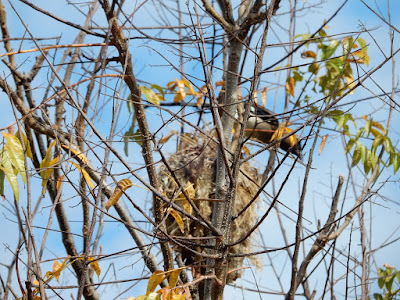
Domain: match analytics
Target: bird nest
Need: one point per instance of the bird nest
(195, 167)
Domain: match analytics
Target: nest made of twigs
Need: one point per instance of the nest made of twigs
(195, 167)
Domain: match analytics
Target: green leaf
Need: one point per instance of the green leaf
(15, 153)
(341, 122)
(378, 141)
(8, 170)
(348, 43)
(388, 145)
(322, 32)
(158, 88)
(364, 152)
(313, 68)
(396, 165)
(138, 137)
(389, 283)
(28, 149)
(129, 103)
(304, 37)
(367, 127)
(150, 95)
(370, 162)
(359, 132)
(349, 146)
(2, 177)
(378, 296)
(357, 154)
(335, 65)
(328, 50)
(364, 49)
(381, 280)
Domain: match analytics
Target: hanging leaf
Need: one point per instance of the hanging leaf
(189, 87)
(177, 218)
(47, 171)
(190, 191)
(60, 182)
(180, 94)
(84, 173)
(166, 138)
(150, 95)
(2, 177)
(15, 153)
(264, 97)
(246, 150)
(290, 86)
(357, 154)
(27, 145)
(94, 264)
(7, 168)
(123, 185)
(160, 90)
(155, 279)
(173, 277)
(82, 157)
(323, 142)
(200, 95)
(220, 83)
(57, 269)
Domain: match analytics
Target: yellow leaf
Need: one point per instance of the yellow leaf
(155, 279)
(264, 97)
(189, 189)
(308, 54)
(278, 133)
(95, 265)
(200, 94)
(46, 173)
(151, 96)
(57, 268)
(189, 87)
(290, 86)
(60, 181)
(179, 297)
(379, 126)
(173, 277)
(82, 157)
(322, 145)
(165, 139)
(84, 173)
(181, 90)
(26, 143)
(283, 130)
(46, 161)
(8, 170)
(178, 97)
(220, 83)
(123, 185)
(165, 293)
(171, 86)
(246, 150)
(177, 218)
(15, 153)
